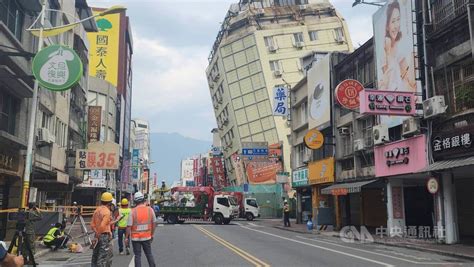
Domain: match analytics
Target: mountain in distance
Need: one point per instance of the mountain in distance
(167, 151)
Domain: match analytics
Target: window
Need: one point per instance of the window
(46, 120)
(275, 65)
(304, 113)
(298, 37)
(367, 160)
(52, 15)
(313, 35)
(223, 201)
(101, 99)
(339, 34)
(252, 202)
(268, 41)
(111, 106)
(347, 164)
(8, 110)
(347, 145)
(366, 127)
(61, 133)
(12, 16)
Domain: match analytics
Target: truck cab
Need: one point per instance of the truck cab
(225, 209)
(251, 208)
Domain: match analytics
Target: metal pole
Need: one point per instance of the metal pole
(32, 122)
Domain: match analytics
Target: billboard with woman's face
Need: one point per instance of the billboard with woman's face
(394, 50)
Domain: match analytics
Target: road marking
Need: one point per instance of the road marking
(380, 254)
(323, 248)
(404, 255)
(254, 225)
(249, 257)
(132, 262)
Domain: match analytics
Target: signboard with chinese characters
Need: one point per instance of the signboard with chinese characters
(300, 178)
(262, 172)
(404, 156)
(104, 48)
(280, 99)
(378, 102)
(321, 171)
(98, 156)
(135, 162)
(253, 150)
(94, 179)
(218, 172)
(452, 143)
(347, 93)
(397, 202)
(57, 67)
(432, 185)
(94, 116)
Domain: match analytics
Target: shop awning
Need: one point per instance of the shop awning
(449, 164)
(346, 188)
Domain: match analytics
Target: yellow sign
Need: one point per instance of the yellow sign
(104, 48)
(321, 171)
(314, 139)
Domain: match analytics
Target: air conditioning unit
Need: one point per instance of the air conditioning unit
(260, 11)
(211, 86)
(221, 127)
(339, 39)
(219, 99)
(44, 136)
(272, 48)
(216, 105)
(410, 127)
(380, 133)
(359, 144)
(277, 73)
(303, 7)
(344, 131)
(216, 77)
(306, 157)
(434, 106)
(299, 44)
(226, 121)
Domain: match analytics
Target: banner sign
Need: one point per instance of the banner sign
(319, 96)
(314, 139)
(300, 178)
(451, 143)
(99, 156)
(321, 171)
(57, 67)
(347, 93)
(262, 172)
(378, 102)
(94, 179)
(104, 48)
(404, 156)
(280, 105)
(218, 172)
(94, 123)
(135, 162)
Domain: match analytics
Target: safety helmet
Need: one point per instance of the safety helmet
(124, 202)
(138, 197)
(106, 197)
(286, 201)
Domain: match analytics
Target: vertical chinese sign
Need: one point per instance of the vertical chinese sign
(280, 105)
(104, 48)
(94, 116)
(397, 202)
(135, 162)
(218, 171)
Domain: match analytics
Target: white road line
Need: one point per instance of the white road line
(132, 262)
(323, 248)
(380, 254)
(405, 255)
(255, 225)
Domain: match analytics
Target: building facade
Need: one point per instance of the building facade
(142, 144)
(258, 47)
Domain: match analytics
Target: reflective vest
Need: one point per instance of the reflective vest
(143, 220)
(49, 237)
(123, 213)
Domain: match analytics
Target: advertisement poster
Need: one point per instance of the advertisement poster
(321, 171)
(319, 94)
(394, 51)
(94, 179)
(262, 172)
(98, 157)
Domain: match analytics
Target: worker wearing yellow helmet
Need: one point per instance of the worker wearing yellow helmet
(100, 224)
(124, 212)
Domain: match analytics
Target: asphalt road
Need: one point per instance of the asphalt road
(256, 244)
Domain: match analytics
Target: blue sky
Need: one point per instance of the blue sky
(172, 40)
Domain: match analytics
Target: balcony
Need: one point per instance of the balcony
(446, 11)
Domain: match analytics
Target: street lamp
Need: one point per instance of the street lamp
(41, 33)
(377, 3)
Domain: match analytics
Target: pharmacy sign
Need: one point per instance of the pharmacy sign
(57, 67)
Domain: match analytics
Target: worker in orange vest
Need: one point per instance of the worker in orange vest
(141, 228)
(101, 222)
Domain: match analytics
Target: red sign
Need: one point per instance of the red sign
(218, 172)
(339, 191)
(378, 102)
(94, 115)
(347, 93)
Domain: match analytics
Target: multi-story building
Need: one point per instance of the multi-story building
(187, 177)
(258, 47)
(142, 143)
(16, 87)
(61, 115)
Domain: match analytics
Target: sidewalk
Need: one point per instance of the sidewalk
(456, 250)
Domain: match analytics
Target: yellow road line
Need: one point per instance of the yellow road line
(249, 257)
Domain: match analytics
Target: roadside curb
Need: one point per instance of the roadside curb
(400, 245)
